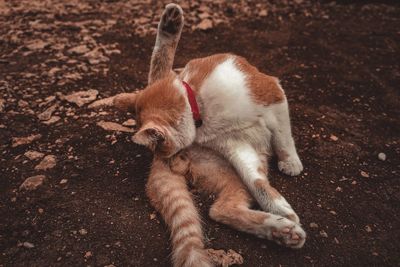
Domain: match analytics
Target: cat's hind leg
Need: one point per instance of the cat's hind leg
(213, 174)
(278, 122)
(253, 170)
(232, 208)
(168, 35)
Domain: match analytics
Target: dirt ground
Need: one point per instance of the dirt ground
(339, 65)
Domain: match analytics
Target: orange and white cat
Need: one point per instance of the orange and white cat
(244, 116)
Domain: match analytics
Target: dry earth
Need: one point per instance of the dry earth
(72, 188)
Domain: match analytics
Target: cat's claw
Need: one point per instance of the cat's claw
(291, 166)
(171, 22)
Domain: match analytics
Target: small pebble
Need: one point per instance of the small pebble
(83, 232)
(334, 138)
(323, 234)
(313, 225)
(382, 156)
(64, 181)
(28, 245)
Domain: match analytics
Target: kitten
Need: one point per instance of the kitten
(242, 112)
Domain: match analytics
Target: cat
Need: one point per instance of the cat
(242, 112)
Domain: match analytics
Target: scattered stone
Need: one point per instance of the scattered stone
(263, 13)
(313, 225)
(364, 174)
(368, 229)
(225, 259)
(46, 115)
(80, 49)
(40, 210)
(88, 254)
(323, 234)
(334, 138)
(18, 141)
(152, 216)
(336, 240)
(2, 105)
(339, 189)
(83, 231)
(53, 71)
(28, 245)
(53, 119)
(33, 155)
(96, 56)
(205, 24)
(32, 183)
(22, 103)
(72, 76)
(82, 97)
(64, 181)
(47, 163)
(105, 102)
(36, 45)
(129, 123)
(382, 156)
(113, 126)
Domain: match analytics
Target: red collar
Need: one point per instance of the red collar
(193, 105)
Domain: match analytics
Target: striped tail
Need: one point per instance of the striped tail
(169, 194)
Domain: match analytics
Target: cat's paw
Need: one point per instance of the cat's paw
(281, 207)
(171, 22)
(286, 232)
(291, 165)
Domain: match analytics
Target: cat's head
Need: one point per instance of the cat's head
(164, 119)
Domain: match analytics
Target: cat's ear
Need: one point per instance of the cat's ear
(149, 136)
(126, 101)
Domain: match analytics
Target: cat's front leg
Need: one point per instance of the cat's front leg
(253, 171)
(282, 141)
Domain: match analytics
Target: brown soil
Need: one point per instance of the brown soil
(339, 65)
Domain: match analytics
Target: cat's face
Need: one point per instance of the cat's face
(165, 124)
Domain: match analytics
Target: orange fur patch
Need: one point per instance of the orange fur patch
(161, 103)
(264, 89)
(200, 68)
(263, 185)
